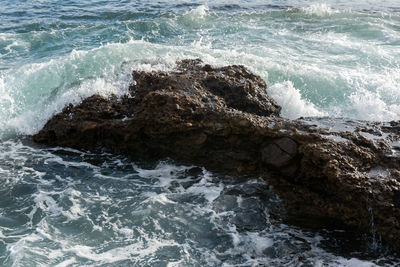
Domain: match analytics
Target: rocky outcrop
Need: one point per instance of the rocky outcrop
(325, 170)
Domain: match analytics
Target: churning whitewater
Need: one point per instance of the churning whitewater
(63, 207)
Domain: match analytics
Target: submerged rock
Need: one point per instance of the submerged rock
(325, 170)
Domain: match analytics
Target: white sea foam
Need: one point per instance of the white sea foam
(319, 9)
(138, 250)
(160, 198)
(207, 188)
(342, 262)
(370, 106)
(76, 210)
(66, 263)
(7, 104)
(199, 12)
(46, 203)
(195, 16)
(12, 43)
(17, 250)
(164, 171)
(293, 104)
(258, 243)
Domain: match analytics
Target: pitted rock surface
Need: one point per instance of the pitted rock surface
(280, 152)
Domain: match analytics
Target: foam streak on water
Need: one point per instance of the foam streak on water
(62, 207)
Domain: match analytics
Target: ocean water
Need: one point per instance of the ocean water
(62, 207)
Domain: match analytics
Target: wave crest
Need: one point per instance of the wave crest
(292, 103)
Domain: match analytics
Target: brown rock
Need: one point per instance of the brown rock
(279, 153)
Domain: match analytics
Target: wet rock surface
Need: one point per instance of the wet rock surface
(326, 171)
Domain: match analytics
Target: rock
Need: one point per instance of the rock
(279, 153)
(226, 203)
(250, 215)
(325, 170)
(250, 220)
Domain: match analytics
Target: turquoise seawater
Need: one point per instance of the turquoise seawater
(61, 207)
